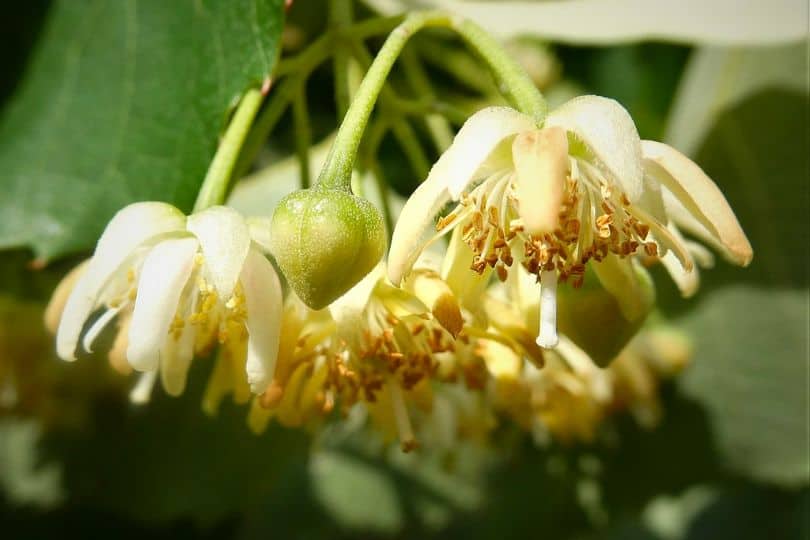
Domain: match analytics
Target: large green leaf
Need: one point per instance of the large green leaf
(750, 325)
(718, 78)
(750, 372)
(123, 101)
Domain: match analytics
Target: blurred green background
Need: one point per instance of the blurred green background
(729, 459)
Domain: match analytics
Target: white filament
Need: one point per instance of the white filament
(547, 337)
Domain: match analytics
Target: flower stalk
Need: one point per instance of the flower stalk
(513, 82)
(217, 181)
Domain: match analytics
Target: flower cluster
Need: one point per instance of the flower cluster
(430, 346)
(582, 190)
(177, 287)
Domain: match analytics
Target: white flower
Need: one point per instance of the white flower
(189, 282)
(580, 188)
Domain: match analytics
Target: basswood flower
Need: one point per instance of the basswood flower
(181, 284)
(579, 189)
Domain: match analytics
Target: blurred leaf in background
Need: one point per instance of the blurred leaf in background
(123, 101)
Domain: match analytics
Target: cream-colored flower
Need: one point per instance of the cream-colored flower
(581, 188)
(183, 284)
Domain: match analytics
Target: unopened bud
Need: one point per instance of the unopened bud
(325, 241)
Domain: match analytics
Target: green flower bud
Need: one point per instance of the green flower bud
(597, 321)
(325, 241)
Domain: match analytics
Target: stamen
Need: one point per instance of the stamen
(547, 337)
(406, 436)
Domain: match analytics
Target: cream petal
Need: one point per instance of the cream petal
(700, 196)
(474, 145)
(98, 326)
(626, 281)
(474, 153)
(610, 135)
(59, 298)
(165, 272)
(175, 359)
(687, 280)
(128, 229)
(347, 310)
(259, 228)
(225, 240)
(542, 166)
(263, 300)
(414, 228)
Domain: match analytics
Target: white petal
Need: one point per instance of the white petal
(175, 359)
(473, 154)
(98, 326)
(700, 196)
(165, 272)
(225, 240)
(474, 146)
(264, 306)
(59, 298)
(608, 132)
(259, 228)
(347, 309)
(687, 281)
(414, 229)
(128, 229)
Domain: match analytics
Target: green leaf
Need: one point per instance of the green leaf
(123, 101)
(750, 372)
(750, 325)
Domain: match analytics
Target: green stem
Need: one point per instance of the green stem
(280, 97)
(403, 132)
(513, 82)
(297, 69)
(217, 180)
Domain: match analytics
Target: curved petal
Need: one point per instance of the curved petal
(414, 228)
(474, 153)
(542, 167)
(175, 359)
(347, 309)
(259, 228)
(264, 311)
(687, 281)
(475, 145)
(700, 196)
(225, 240)
(165, 272)
(128, 229)
(56, 305)
(608, 132)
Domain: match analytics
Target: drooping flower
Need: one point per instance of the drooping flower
(181, 285)
(580, 189)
